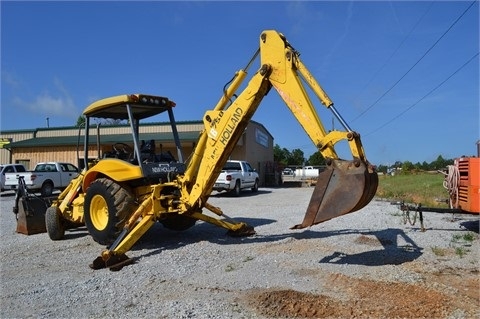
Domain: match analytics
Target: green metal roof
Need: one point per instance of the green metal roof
(56, 128)
(164, 137)
(191, 136)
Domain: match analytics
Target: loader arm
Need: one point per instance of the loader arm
(344, 187)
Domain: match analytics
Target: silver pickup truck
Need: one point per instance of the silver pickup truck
(235, 176)
(45, 177)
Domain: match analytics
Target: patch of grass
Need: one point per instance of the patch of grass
(460, 241)
(469, 237)
(419, 188)
(456, 238)
(460, 251)
(437, 251)
(464, 238)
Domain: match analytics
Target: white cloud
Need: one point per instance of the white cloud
(59, 103)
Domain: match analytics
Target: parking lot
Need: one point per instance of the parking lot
(368, 264)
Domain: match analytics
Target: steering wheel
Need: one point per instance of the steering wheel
(122, 148)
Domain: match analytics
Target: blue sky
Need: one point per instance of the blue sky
(404, 74)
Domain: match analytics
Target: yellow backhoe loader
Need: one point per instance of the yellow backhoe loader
(122, 194)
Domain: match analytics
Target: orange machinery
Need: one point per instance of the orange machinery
(463, 184)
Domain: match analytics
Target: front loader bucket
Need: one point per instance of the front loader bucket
(344, 187)
(30, 213)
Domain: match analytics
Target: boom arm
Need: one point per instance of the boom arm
(345, 186)
(281, 68)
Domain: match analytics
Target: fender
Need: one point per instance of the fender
(115, 169)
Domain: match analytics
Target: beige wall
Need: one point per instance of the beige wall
(5, 154)
(5, 157)
(31, 156)
(254, 146)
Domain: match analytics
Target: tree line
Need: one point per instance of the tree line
(296, 157)
(437, 165)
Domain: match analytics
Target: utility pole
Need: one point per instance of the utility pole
(48, 123)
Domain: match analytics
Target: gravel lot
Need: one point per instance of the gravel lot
(368, 264)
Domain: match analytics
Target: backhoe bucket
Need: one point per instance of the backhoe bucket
(344, 187)
(30, 210)
(30, 213)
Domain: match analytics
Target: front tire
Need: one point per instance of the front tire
(54, 223)
(255, 186)
(107, 208)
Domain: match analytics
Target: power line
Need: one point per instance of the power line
(418, 61)
(397, 48)
(422, 98)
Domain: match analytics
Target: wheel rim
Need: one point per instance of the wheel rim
(99, 212)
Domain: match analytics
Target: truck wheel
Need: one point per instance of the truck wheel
(178, 222)
(237, 190)
(255, 186)
(54, 224)
(47, 189)
(107, 208)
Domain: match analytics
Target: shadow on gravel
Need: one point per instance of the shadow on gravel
(159, 238)
(471, 225)
(73, 233)
(392, 253)
(245, 193)
(163, 238)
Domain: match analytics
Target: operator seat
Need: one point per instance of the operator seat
(147, 151)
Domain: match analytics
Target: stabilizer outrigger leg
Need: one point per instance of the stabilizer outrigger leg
(234, 228)
(114, 257)
(113, 262)
(342, 188)
(108, 259)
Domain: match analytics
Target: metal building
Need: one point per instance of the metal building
(65, 144)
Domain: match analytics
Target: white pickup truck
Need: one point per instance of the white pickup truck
(307, 172)
(9, 168)
(45, 177)
(235, 176)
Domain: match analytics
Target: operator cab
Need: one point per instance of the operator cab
(155, 165)
(158, 165)
(148, 153)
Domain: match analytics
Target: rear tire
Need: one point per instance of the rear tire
(107, 208)
(54, 223)
(47, 189)
(238, 189)
(178, 222)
